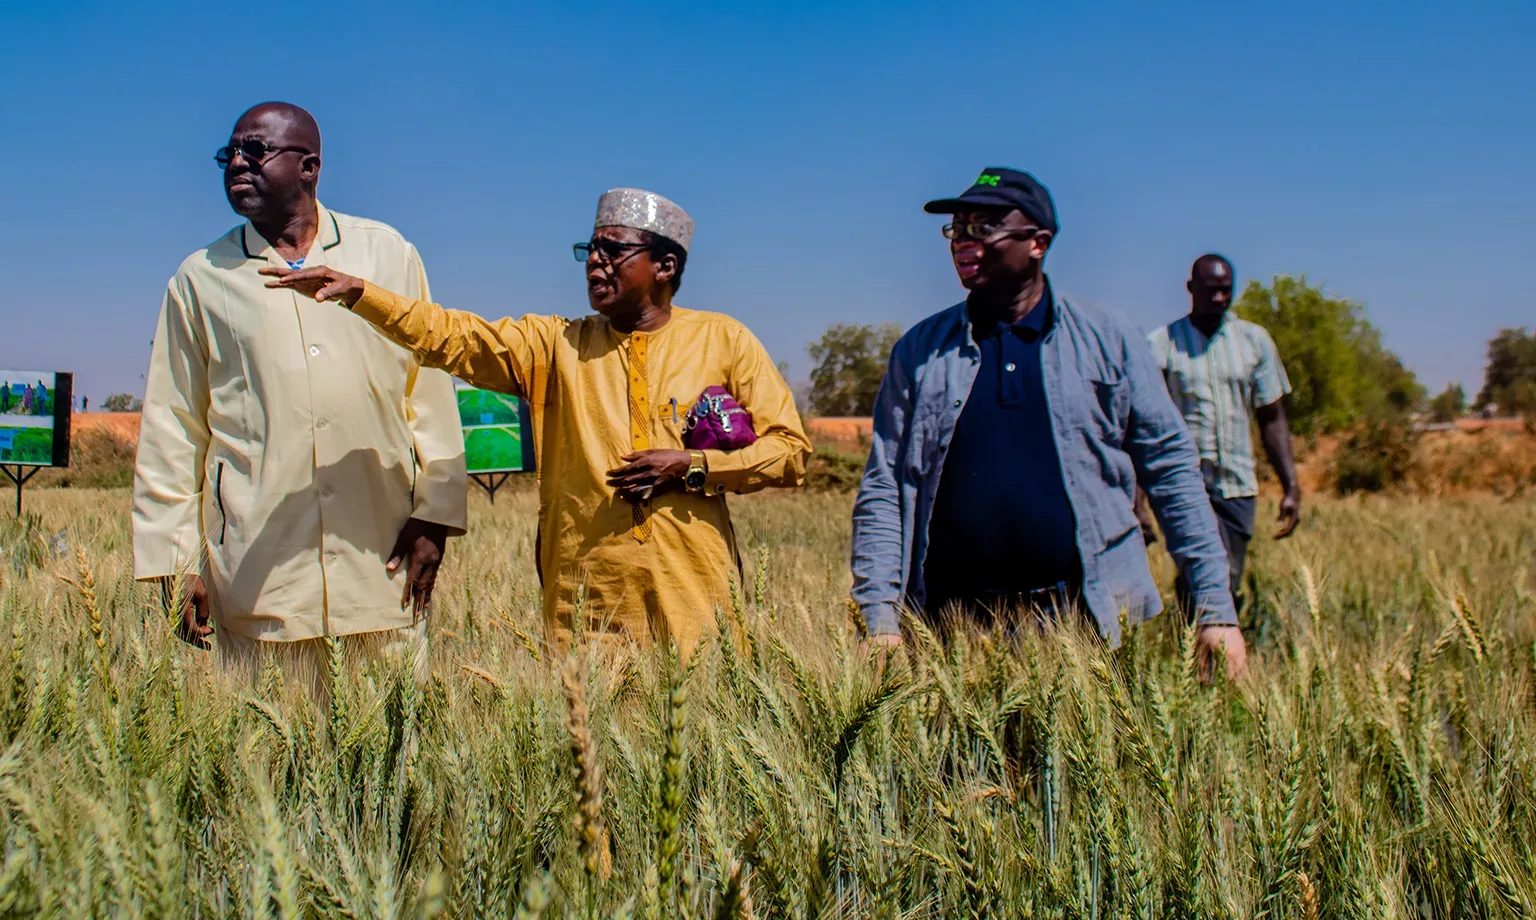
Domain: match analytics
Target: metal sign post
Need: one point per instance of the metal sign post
(490, 482)
(14, 473)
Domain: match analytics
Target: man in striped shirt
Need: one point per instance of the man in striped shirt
(1223, 373)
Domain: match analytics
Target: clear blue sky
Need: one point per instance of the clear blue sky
(1385, 150)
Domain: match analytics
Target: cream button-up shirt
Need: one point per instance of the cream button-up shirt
(285, 442)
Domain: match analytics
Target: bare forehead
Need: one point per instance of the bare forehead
(279, 124)
(1213, 271)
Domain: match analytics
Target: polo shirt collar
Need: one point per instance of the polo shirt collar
(1033, 327)
(256, 246)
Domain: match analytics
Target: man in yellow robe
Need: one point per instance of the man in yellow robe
(634, 529)
(297, 470)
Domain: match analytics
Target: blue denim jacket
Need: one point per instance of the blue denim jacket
(1114, 425)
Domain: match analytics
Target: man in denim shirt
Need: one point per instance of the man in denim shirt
(1011, 431)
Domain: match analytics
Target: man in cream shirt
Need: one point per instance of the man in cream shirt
(296, 471)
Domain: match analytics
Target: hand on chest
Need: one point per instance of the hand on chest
(645, 392)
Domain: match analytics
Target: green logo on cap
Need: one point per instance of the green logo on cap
(986, 179)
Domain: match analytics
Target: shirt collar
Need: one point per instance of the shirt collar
(256, 246)
(1226, 320)
(1033, 327)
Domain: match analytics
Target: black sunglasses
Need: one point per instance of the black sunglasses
(608, 249)
(255, 152)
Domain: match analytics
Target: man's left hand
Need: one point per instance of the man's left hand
(1227, 638)
(420, 546)
(1290, 514)
(644, 472)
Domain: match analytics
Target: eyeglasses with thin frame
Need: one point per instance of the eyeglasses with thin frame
(255, 152)
(981, 231)
(608, 249)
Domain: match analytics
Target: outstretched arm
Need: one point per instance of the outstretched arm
(507, 355)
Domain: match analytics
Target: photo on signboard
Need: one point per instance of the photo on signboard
(34, 417)
(497, 432)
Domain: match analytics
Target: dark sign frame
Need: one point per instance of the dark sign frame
(493, 479)
(63, 412)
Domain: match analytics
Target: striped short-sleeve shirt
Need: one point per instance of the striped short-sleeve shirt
(1217, 383)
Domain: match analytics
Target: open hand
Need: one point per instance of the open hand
(321, 282)
(1290, 514)
(646, 471)
(420, 546)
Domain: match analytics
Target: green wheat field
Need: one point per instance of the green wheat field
(1378, 761)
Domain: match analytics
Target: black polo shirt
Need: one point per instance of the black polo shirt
(1002, 523)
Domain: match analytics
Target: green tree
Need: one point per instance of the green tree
(122, 402)
(1339, 370)
(1391, 389)
(850, 361)
(1450, 405)
(1509, 381)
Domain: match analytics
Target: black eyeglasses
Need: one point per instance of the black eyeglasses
(981, 231)
(255, 152)
(608, 249)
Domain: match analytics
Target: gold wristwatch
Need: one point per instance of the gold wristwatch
(698, 470)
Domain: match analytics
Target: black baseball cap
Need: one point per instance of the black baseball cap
(1000, 187)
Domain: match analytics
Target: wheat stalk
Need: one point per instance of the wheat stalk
(1308, 897)
(586, 771)
(670, 810)
(535, 901)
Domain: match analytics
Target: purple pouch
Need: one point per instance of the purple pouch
(718, 422)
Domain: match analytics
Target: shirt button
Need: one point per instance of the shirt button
(314, 351)
(1009, 367)
(322, 423)
(327, 491)
(330, 558)
(957, 404)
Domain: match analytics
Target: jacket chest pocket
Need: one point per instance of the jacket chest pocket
(1111, 405)
(932, 421)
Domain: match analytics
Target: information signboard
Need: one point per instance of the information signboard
(34, 423)
(498, 436)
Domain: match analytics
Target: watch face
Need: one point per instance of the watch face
(694, 480)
